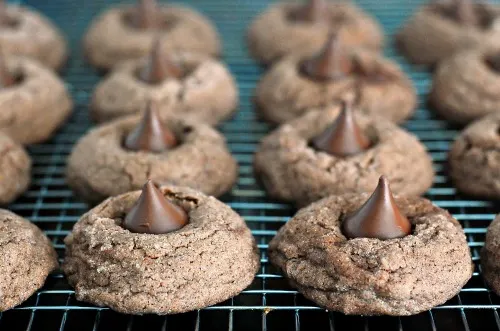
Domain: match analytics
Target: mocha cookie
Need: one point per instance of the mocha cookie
(126, 33)
(490, 256)
(15, 170)
(474, 158)
(27, 258)
(210, 259)
(296, 84)
(441, 28)
(26, 32)
(370, 276)
(33, 101)
(287, 28)
(466, 86)
(294, 167)
(102, 165)
(200, 88)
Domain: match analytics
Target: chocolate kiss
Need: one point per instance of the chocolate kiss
(331, 63)
(6, 79)
(159, 66)
(343, 137)
(312, 11)
(145, 15)
(465, 13)
(379, 217)
(153, 213)
(150, 134)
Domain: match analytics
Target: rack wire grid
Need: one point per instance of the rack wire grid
(269, 303)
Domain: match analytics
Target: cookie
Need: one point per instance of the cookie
(27, 259)
(441, 28)
(287, 28)
(466, 86)
(490, 259)
(209, 260)
(100, 165)
(201, 88)
(35, 103)
(127, 32)
(293, 169)
(474, 158)
(365, 275)
(294, 85)
(26, 32)
(15, 169)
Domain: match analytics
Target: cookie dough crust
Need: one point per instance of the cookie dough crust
(211, 259)
(363, 276)
(27, 258)
(292, 170)
(490, 256)
(429, 37)
(284, 93)
(207, 93)
(99, 166)
(465, 88)
(273, 35)
(34, 36)
(32, 110)
(15, 169)
(474, 158)
(111, 40)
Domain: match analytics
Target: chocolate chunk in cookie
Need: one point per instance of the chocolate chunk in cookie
(210, 259)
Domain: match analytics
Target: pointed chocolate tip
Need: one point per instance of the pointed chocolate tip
(153, 213)
(150, 134)
(343, 137)
(159, 66)
(330, 63)
(6, 78)
(145, 15)
(379, 217)
(312, 11)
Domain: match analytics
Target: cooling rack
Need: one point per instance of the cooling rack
(269, 303)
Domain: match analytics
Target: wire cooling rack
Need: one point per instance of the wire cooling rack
(269, 303)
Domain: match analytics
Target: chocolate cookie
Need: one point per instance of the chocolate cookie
(296, 84)
(365, 275)
(293, 166)
(105, 162)
(27, 257)
(490, 256)
(288, 28)
(466, 86)
(194, 86)
(474, 158)
(26, 32)
(15, 170)
(126, 33)
(33, 100)
(441, 28)
(209, 260)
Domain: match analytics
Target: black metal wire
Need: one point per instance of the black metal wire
(269, 303)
